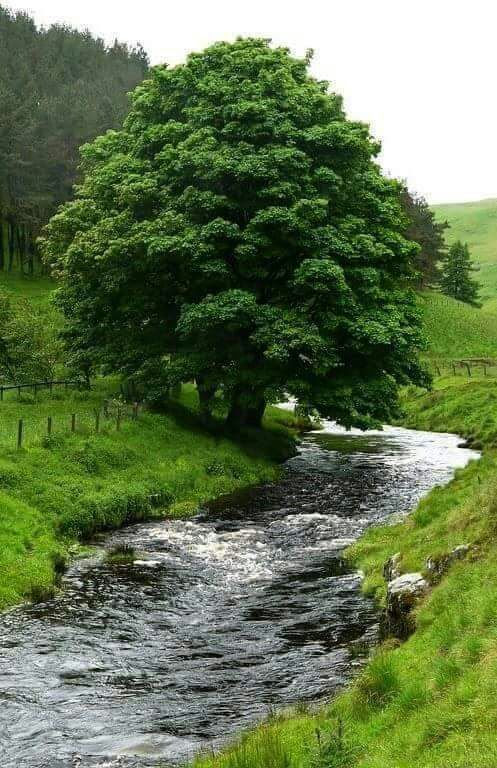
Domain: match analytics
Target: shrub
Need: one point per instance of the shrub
(52, 442)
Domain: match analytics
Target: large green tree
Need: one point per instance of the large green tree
(238, 231)
(455, 279)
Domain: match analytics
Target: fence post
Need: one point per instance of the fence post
(484, 369)
(118, 418)
(73, 422)
(19, 392)
(1, 393)
(49, 426)
(453, 369)
(19, 434)
(97, 421)
(469, 369)
(51, 387)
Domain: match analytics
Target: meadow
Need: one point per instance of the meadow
(476, 224)
(455, 330)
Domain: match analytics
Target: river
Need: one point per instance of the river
(246, 607)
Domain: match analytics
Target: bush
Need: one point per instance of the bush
(51, 442)
(333, 751)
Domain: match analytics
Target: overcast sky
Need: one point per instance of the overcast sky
(422, 73)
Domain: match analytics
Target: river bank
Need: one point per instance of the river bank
(212, 620)
(61, 489)
(430, 701)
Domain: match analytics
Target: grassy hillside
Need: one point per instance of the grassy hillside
(476, 224)
(455, 330)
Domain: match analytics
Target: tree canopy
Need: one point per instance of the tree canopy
(455, 279)
(238, 231)
(425, 230)
(58, 89)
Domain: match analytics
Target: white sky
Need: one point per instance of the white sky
(422, 73)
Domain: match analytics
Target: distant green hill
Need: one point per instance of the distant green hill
(456, 330)
(476, 224)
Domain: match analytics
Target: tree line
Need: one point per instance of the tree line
(59, 88)
(437, 266)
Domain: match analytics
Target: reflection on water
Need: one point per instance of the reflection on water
(245, 607)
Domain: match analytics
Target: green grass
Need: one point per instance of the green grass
(476, 224)
(63, 489)
(431, 701)
(37, 290)
(455, 330)
(457, 404)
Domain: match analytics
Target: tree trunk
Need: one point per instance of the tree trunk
(247, 409)
(206, 394)
(12, 247)
(2, 248)
(30, 247)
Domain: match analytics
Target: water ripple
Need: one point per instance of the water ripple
(246, 607)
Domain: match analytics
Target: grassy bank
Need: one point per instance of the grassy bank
(467, 407)
(431, 701)
(456, 330)
(61, 489)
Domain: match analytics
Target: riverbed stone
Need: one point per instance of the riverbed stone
(403, 594)
(437, 566)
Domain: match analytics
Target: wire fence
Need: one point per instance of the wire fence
(38, 430)
(469, 367)
(38, 386)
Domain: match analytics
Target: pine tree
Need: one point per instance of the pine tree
(59, 88)
(456, 280)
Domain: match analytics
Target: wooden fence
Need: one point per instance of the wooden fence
(36, 386)
(465, 367)
(32, 431)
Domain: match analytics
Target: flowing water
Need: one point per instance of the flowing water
(246, 607)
